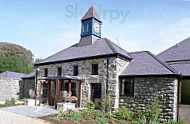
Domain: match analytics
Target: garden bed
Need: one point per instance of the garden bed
(9, 105)
(107, 116)
(54, 120)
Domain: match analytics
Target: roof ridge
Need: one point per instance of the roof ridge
(173, 46)
(110, 45)
(138, 52)
(164, 64)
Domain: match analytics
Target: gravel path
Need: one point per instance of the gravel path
(13, 118)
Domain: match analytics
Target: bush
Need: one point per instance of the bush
(138, 118)
(12, 100)
(72, 115)
(85, 114)
(153, 112)
(123, 113)
(106, 104)
(101, 121)
(9, 102)
(99, 114)
(90, 106)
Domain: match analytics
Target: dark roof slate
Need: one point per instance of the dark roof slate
(29, 76)
(145, 63)
(13, 75)
(101, 47)
(180, 51)
(183, 68)
(91, 13)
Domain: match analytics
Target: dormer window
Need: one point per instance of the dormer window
(94, 69)
(45, 72)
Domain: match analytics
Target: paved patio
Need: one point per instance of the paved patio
(31, 111)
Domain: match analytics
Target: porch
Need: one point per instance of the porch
(51, 90)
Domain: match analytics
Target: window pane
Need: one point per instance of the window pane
(127, 87)
(73, 88)
(45, 72)
(75, 71)
(59, 71)
(94, 69)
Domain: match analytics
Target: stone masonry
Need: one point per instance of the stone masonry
(147, 89)
(85, 66)
(9, 88)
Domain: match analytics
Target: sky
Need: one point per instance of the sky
(48, 26)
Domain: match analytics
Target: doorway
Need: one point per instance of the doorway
(96, 93)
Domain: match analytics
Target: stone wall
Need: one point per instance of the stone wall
(9, 88)
(116, 65)
(147, 89)
(26, 85)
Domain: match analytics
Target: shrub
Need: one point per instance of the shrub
(122, 122)
(90, 106)
(57, 118)
(138, 118)
(12, 100)
(72, 115)
(99, 114)
(123, 113)
(101, 121)
(153, 112)
(106, 104)
(9, 102)
(85, 114)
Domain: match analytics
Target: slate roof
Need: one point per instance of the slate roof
(183, 68)
(91, 13)
(100, 48)
(145, 63)
(13, 75)
(180, 51)
(29, 76)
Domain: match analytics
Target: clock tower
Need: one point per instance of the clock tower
(91, 23)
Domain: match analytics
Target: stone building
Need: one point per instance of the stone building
(10, 85)
(178, 57)
(95, 67)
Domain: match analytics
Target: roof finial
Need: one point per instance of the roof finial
(91, 13)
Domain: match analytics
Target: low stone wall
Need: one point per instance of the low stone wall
(147, 89)
(9, 88)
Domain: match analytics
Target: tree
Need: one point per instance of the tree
(15, 58)
(9, 49)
